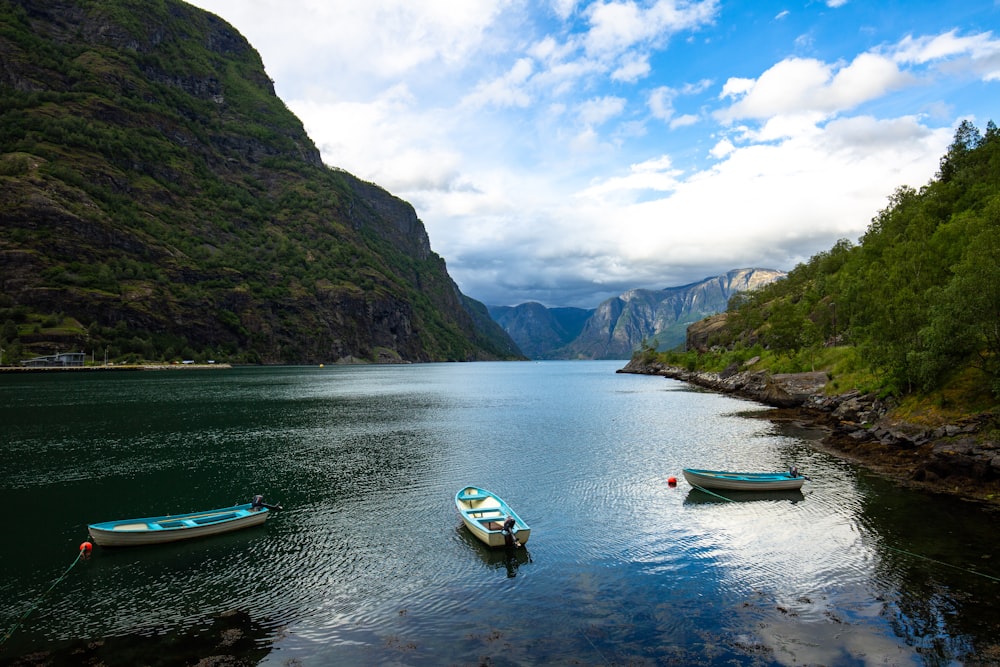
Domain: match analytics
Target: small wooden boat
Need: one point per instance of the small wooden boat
(744, 481)
(484, 513)
(170, 528)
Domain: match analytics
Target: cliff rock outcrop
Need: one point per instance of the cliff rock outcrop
(158, 200)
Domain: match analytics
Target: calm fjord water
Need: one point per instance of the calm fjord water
(369, 564)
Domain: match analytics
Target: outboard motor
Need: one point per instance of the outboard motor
(257, 504)
(509, 539)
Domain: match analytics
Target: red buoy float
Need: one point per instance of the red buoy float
(86, 547)
(672, 481)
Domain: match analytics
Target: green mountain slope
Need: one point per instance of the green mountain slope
(159, 201)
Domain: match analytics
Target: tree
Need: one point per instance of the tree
(967, 139)
(967, 312)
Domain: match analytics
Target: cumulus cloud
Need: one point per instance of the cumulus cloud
(632, 68)
(618, 26)
(560, 152)
(804, 85)
(978, 53)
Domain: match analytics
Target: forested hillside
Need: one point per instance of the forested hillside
(159, 202)
(912, 307)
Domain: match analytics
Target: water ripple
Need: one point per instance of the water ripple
(370, 564)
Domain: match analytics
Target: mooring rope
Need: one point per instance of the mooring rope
(940, 562)
(711, 493)
(25, 615)
(594, 646)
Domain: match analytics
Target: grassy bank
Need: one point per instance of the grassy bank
(964, 395)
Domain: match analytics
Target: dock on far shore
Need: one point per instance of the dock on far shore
(113, 367)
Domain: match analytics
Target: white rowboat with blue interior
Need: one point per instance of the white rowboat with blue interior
(484, 513)
(170, 528)
(744, 481)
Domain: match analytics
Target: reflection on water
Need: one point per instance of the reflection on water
(369, 562)
(699, 496)
(508, 559)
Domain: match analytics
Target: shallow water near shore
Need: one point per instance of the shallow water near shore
(368, 563)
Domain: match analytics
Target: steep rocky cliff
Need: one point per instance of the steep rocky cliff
(157, 199)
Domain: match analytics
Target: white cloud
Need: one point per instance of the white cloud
(633, 68)
(661, 103)
(938, 47)
(507, 91)
(804, 85)
(978, 53)
(566, 152)
(373, 40)
(600, 110)
(683, 121)
(722, 149)
(778, 194)
(564, 8)
(618, 26)
(656, 174)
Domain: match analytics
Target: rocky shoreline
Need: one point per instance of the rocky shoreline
(960, 459)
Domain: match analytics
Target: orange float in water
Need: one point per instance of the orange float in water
(672, 481)
(86, 547)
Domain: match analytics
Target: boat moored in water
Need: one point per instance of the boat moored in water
(171, 528)
(744, 481)
(490, 519)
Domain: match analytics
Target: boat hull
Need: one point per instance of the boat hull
(172, 528)
(743, 481)
(483, 513)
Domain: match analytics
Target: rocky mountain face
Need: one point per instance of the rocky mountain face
(621, 325)
(158, 199)
(538, 330)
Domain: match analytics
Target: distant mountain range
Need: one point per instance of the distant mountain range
(620, 325)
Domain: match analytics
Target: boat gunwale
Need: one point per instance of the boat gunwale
(743, 481)
(476, 525)
(150, 530)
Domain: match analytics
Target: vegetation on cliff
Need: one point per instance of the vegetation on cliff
(158, 201)
(912, 311)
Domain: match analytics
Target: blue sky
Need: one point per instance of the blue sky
(566, 151)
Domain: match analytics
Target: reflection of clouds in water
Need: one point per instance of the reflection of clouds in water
(829, 640)
(369, 562)
(805, 576)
